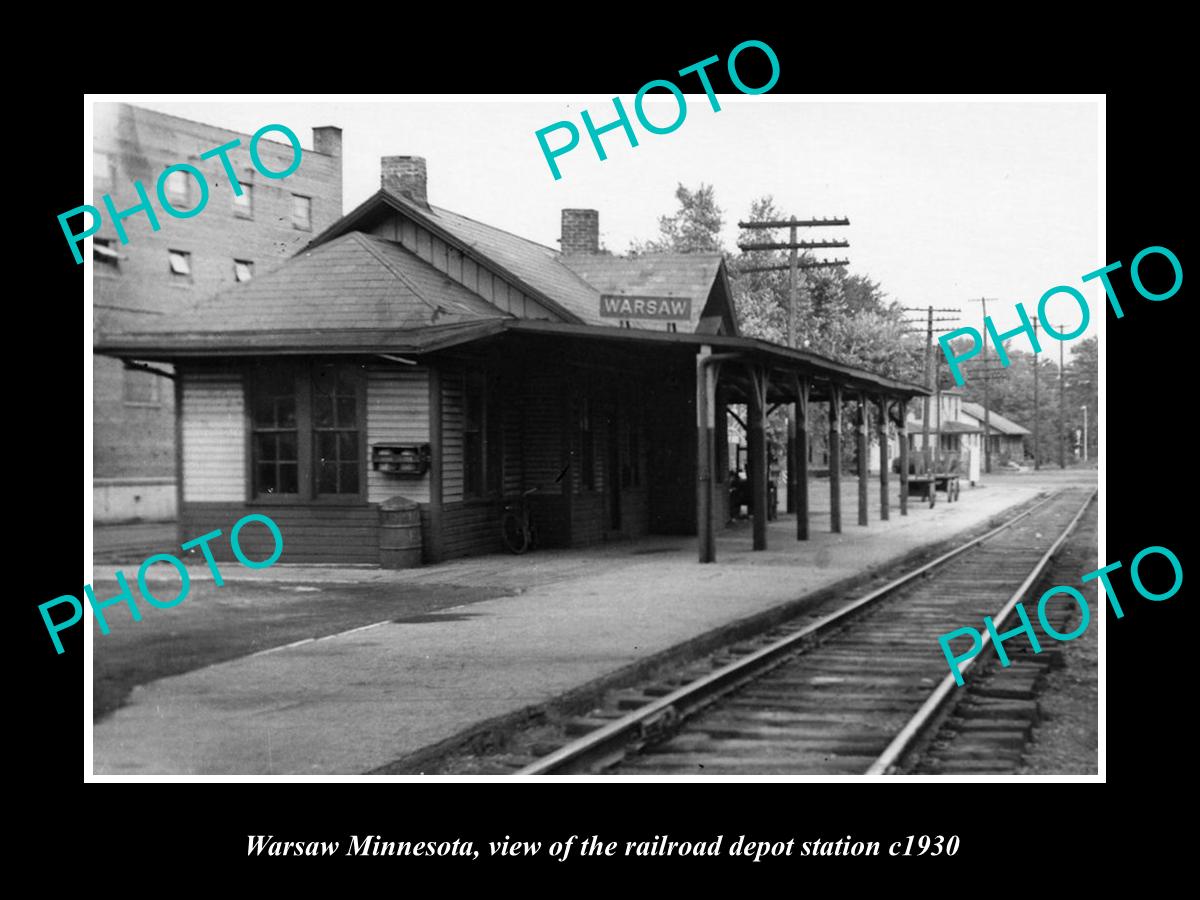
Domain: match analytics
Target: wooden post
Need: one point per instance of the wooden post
(902, 434)
(791, 461)
(757, 441)
(835, 458)
(705, 453)
(800, 418)
(881, 432)
(864, 469)
(436, 542)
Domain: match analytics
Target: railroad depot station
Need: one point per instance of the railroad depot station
(412, 358)
(388, 390)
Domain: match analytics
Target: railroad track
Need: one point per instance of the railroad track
(850, 693)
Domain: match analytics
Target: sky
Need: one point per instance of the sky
(947, 201)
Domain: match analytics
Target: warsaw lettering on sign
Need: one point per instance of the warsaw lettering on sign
(627, 306)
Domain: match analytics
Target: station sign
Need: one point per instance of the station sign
(627, 306)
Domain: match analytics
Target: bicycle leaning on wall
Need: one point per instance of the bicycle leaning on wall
(516, 524)
(516, 521)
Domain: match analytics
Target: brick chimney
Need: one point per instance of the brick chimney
(405, 175)
(327, 139)
(580, 231)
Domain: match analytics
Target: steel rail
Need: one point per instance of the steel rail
(930, 707)
(605, 742)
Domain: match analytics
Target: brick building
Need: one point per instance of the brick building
(157, 273)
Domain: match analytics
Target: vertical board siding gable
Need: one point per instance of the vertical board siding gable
(493, 288)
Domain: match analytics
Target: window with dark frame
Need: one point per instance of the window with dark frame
(302, 212)
(482, 455)
(275, 440)
(243, 206)
(306, 432)
(335, 430)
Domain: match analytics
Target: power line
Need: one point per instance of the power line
(778, 267)
(793, 245)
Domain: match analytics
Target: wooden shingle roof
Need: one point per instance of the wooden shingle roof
(354, 282)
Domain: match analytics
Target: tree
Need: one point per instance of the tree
(695, 226)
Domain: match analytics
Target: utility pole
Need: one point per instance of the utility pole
(1062, 405)
(987, 400)
(929, 372)
(794, 266)
(793, 273)
(1037, 410)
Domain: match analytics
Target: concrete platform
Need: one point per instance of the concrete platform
(352, 702)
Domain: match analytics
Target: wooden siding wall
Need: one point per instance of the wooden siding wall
(214, 438)
(311, 534)
(397, 413)
(489, 285)
(471, 528)
(512, 462)
(452, 433)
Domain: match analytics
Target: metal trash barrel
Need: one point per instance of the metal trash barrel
(399, 533)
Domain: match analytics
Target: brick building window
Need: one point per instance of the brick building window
(243, 206)
(178, 189)
(302, 212)
(102, 171)
(141, 388)
(307, 423)
(243, 269)
(104, 251)
(181, 266)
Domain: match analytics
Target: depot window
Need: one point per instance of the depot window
(481, 436)
(307, 427)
